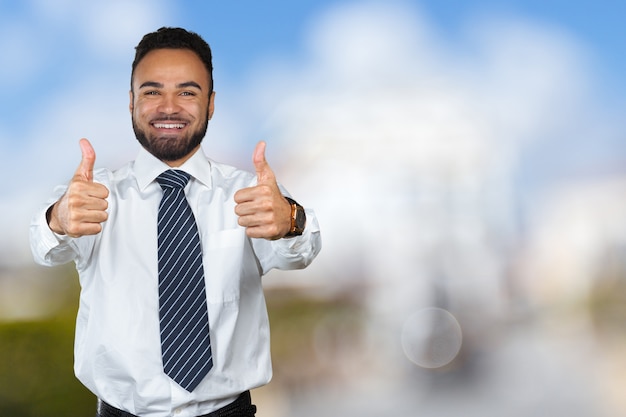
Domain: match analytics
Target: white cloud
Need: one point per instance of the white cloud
(358, 43)
(106, 27)
(113, 28)
(531, 78)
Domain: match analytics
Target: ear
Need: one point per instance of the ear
(131, 99)
(211, 105)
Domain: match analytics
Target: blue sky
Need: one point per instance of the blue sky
(243, 33)
(66, 67)
(248, 31)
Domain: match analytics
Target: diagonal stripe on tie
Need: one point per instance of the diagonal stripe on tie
(183, 313)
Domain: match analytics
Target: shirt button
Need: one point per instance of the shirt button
(177, 411)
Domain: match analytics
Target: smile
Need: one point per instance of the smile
(169, 125)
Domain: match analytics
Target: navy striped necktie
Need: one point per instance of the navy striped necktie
(183, 314)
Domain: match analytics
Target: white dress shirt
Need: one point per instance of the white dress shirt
(117, 348)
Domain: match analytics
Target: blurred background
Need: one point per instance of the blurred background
(466, 161)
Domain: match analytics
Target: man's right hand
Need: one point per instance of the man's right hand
(82, 209)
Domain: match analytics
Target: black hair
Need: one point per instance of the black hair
(174, 38)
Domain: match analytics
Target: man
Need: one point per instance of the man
(136, 246)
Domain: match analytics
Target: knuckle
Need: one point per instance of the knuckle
(72, 230)
(265, 205)
(265, 190)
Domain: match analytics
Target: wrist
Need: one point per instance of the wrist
(51, 219)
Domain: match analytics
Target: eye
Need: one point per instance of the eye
(188, 93)
(151, 93)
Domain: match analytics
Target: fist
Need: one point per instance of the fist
(262, 209)
(82, 209)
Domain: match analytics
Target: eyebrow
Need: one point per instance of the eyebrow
(154, 84)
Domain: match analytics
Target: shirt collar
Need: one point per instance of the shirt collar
(147, 168)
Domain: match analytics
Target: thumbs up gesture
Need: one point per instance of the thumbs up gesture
(83, 207)
(262, 209)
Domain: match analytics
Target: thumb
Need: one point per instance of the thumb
(264, 173)
(85, 169)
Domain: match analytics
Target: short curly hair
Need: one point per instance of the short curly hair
(174, 38)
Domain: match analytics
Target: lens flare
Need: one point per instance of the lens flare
(431, 337)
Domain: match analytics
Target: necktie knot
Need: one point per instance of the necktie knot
(173, 178)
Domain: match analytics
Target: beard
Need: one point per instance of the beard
(169, 148)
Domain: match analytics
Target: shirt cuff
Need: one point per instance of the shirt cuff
(43, 240)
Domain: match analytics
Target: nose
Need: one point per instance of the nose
(168, 104)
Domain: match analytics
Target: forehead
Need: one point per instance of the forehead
(171, 65)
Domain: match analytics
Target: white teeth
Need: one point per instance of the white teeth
(169, 125)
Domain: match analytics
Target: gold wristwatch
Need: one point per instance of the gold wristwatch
(298, 219)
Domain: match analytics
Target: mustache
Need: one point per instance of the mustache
(162, 117)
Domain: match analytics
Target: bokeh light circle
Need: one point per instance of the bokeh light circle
(431, 337)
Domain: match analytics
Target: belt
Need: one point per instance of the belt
(241, 407)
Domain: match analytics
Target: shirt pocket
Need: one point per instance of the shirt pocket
(224, 264)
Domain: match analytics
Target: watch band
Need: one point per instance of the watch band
(298, 219)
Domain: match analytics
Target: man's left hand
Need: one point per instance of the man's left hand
(262, 209)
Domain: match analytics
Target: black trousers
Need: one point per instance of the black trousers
(241, 407)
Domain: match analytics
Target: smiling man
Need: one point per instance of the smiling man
(170, 251)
